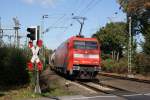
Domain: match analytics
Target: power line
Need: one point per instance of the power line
(74, 12)
(89, 6)
(53, 25)
(94, 5)
(77, 8)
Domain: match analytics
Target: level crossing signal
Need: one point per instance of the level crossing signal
(35, 57)
(34, 38)
(32, 33)
(35, 44)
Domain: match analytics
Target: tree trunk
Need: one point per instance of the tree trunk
(114, 55)
(118, 56)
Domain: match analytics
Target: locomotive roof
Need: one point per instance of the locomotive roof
(82, 38)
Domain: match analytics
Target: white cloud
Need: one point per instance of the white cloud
(41, 2)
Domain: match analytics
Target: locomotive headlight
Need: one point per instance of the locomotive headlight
(76, 61)
(96, 62)
(78, 55)
(97, 68)
(94, 56)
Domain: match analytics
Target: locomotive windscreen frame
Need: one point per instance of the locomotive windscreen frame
(90, 45)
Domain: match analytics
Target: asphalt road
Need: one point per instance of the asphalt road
(109, 97)
(101, 97)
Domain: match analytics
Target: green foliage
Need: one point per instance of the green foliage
(19, 93)
(48, 52)
(146, 45)
(142, 64)
(139, 10)
(134, 7)
(112, 37)
(110, 65)
(13, 66)
(44, 56)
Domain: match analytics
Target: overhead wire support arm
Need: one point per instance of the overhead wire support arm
(48, 29)
(81, 21)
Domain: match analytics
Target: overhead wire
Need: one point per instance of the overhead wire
(65, 20)
(91, 4)
(76, 10)
(89, 7)
(56, 22)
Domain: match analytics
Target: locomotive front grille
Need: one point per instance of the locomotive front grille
(86, 68)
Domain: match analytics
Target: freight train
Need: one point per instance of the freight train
(77, 57)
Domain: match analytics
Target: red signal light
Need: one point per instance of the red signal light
(30, 66)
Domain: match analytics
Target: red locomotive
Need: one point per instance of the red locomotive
(77, 57)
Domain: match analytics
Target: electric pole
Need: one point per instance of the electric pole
(42, 37)
(130, 49)
(9, 38)
(16, 28)
(1, 31)
(81, 21)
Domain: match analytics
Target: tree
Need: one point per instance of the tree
(139, 10)
(113, 38)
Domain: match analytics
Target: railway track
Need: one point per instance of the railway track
(91, 87)
(116, 90)
(125, 78)
(107, 89)
(103, 88)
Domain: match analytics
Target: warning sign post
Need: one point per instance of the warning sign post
(35, 66)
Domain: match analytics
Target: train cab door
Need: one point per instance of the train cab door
(70, 57)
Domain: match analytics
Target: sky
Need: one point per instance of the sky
(60, 17)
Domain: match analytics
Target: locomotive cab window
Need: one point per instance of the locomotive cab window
(91, 45)
(79, 44)
(85, 45)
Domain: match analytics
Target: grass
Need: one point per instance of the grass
(58, 92)
(26, 92)
(56, 88)
(18, 93)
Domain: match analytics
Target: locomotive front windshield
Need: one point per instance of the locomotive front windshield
(91, 45)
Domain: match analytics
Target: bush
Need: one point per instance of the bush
(13, 66)
(110, 65)
(142, 62)
(107, 65)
